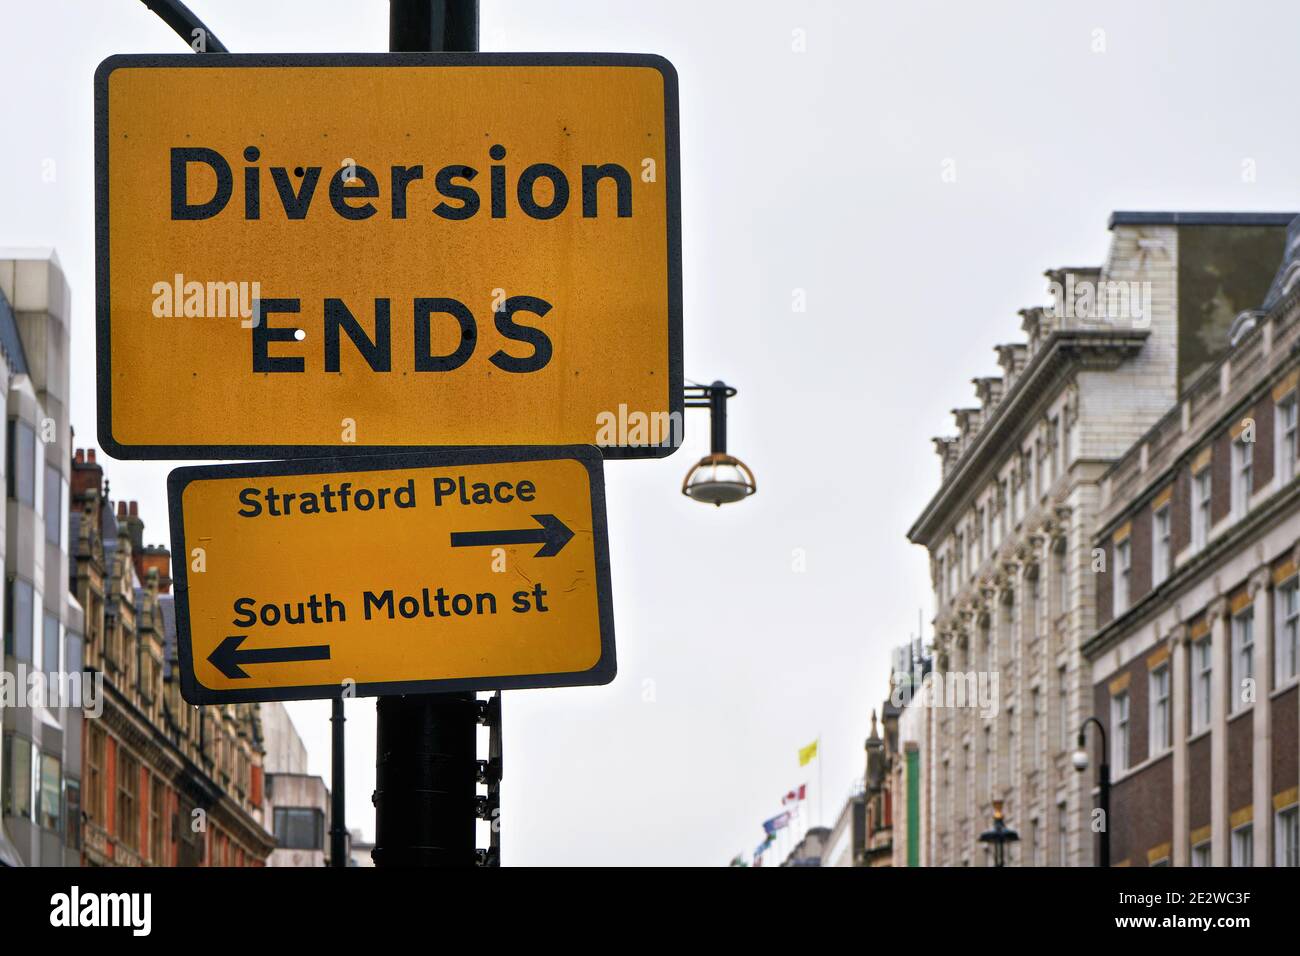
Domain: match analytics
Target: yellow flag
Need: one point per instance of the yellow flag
(808, 754)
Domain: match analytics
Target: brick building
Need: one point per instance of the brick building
(1011, 529)
(163, 783)
(1198, 607)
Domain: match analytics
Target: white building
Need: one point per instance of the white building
(40, 766)
(1010, 529)
(297, 802)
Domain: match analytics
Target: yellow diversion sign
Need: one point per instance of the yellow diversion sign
(392, 574)
(302, 254)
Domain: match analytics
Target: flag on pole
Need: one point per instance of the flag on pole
(795, 796)
(808, 754)
(778, 822)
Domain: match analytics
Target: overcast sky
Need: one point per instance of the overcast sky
(821, 171)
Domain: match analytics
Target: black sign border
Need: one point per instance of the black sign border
(672, 148)
(589, 456)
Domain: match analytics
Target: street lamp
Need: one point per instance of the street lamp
(717, 478)
(999, 835)
(1080, 761)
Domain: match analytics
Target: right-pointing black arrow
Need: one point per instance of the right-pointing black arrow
(553, 535)
(227, 658)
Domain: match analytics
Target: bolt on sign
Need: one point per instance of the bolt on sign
(302, 254)
(469, 569)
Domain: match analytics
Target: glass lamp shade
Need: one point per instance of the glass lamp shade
(719, 480)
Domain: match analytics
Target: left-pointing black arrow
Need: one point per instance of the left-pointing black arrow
(227, 658)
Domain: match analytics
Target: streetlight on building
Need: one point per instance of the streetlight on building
(999, 835)
(1080, 761)
(717, 478)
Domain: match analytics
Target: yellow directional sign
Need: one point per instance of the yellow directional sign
(302, 254)
(392, 574)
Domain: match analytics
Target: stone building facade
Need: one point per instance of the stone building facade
(1011, 529)
(1194, 659)
(163, 783)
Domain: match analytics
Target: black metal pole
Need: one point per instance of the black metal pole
(338, 813)
(180, 18)
(426, 769)
(718, 417)
(1103, 787)
(1103, 798)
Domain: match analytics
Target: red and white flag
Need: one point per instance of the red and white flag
(795, 796)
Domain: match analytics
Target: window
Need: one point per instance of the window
(1160, 546)
(157, 816)
(1242, 476)
(54, 505)
(128, 814)
(1062, 834)
(1243, 846)
(1063, 702)
(1286, 438)
(1201, 854)
(49, 805)
(1123, 573)
(1037, 698)
(1288, 836)
(1040, 480)
(50, 645)
(1022, 486)
(1119, 707)
(1160, 723)
(988, 763)
(17, 777)
(1012, 749)
(22, 462)
(1004, 505)
(1288, 631)
(72, 652)
(1243, 657)
(1202, 672)
(1066, 435)
(1200, 508)
(1054, 441)
(1037, 605)
(72, 800)
(299, 828)
(18, 620)
(94, 804)
(1062, 579)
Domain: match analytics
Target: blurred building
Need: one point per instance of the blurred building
(908, 782)
(810, 848)
(298, 802)
(1194, 658)
(846, 843)
(878, 792)
(360, 849)
(40, 759)
(1011, 529)
(163, 783)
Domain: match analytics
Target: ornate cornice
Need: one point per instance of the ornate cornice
(1061, 352)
